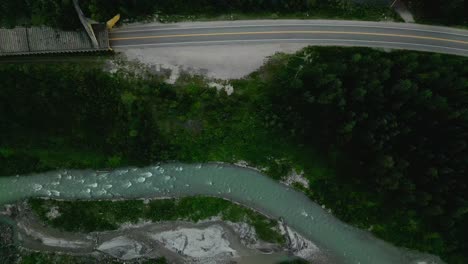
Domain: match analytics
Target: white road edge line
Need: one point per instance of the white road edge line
(285, 25)
(286, 40)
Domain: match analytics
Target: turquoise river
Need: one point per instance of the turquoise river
(246, 186)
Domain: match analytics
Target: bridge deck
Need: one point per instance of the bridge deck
(45, 40)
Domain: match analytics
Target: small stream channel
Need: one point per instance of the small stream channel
(242, 185)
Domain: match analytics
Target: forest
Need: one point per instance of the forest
(381, 136)
(444, 12)
(395, 126)
(61, 14)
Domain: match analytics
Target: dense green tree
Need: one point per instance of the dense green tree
(400, 124)
(54, 13)
(60, 13)
(449, 12)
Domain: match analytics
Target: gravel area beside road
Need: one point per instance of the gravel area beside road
(214, 61)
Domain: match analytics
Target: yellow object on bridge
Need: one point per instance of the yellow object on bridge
(111, 23)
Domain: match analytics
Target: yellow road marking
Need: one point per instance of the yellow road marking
(289, 32)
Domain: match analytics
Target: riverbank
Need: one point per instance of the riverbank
(206, 240)
(109, 215)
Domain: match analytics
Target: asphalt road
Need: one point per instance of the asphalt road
(314, 32)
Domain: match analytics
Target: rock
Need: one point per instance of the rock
(297, 244)
(123, 248)
(9, 210)
(295, 177)
(246, 233)
(207, 243)
(53, 213)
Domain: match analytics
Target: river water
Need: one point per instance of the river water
(345, 243)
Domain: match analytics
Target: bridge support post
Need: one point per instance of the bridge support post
(86, 24)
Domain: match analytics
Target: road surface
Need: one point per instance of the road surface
(314, 32)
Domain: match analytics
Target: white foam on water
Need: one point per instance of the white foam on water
(92, 185)
(146, 174)
(100, 192)
(37, 187)
(121, 172)
(127, 185)
(103, 176)
(141, 179)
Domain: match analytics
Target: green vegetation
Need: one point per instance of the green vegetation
(155, 261)
(445, 12)
(60, 13)
(45, 258)
(55, 13)
(296, 261)
(380, 136)
(8, 251)
(140, 121)
(394, 124)
(51, 258)
(176, 10)
(90, 216)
